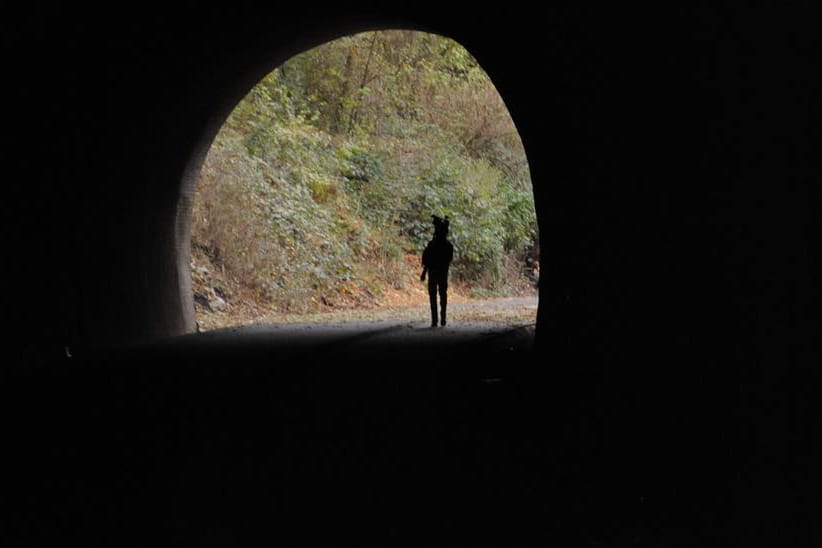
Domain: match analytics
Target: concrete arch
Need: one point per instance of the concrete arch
(609, 155)
(151, 101)
(224, 105)
(672, 395)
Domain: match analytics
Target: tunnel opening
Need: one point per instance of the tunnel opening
(313, 203)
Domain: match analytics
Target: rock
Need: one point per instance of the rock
(202, 300)
(217, 303)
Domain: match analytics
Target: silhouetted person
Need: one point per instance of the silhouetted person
(435, 262)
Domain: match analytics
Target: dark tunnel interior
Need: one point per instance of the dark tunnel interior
(672, 393)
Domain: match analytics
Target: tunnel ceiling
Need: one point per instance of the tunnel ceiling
(675, 154)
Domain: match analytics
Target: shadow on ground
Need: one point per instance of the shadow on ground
(385, 436)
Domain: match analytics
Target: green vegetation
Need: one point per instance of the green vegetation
(319, 189)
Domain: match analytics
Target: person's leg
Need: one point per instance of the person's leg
(443, 286)
(432, 296)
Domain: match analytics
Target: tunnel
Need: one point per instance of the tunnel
(671, 396)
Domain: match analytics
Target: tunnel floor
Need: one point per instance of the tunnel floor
(387, 434)
(377, 337)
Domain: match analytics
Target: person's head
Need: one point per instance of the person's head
(440, 226)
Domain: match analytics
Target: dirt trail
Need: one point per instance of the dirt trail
(405, 299)
(510, 311)
(504, 324)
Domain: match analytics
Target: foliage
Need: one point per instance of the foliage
(335, 162)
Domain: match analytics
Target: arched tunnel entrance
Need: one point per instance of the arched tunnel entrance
(313, 203)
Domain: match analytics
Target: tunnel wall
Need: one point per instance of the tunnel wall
(674, 165)
(675, 384)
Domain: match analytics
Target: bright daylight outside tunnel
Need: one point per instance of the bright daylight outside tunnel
(315, 200)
